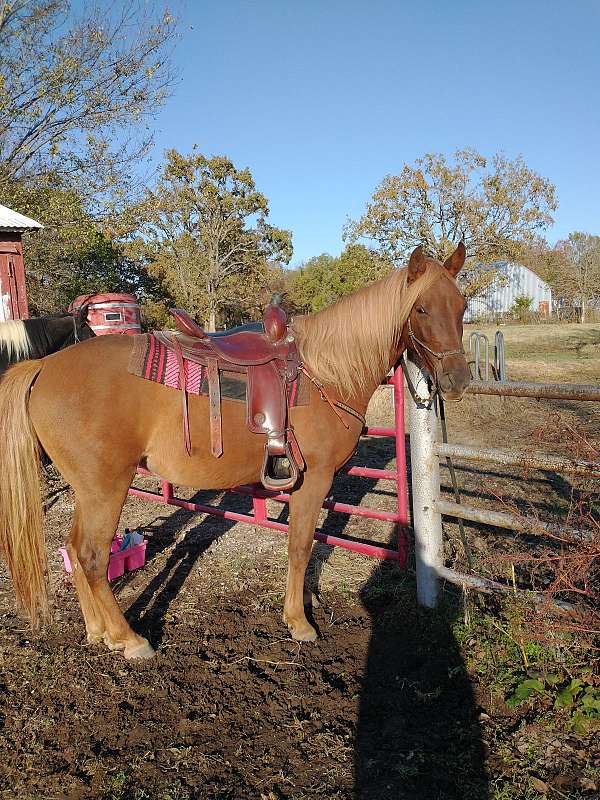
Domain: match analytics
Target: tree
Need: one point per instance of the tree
(546, 261)
(325, 278)
(203, 233)
(70, 256)
(580, 281)
(492, 206)
(75, 92)
(521, 307)
(571, 267)
(310, 287)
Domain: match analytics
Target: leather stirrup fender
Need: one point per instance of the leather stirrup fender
(214, 396)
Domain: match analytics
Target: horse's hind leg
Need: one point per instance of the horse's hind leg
(94, 621)
(305, 505)
(99, 516)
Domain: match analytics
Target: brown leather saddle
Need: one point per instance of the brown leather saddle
(266, 354)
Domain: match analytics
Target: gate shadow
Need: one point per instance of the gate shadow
(148, 611)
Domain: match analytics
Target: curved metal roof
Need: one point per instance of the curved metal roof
(13, 221)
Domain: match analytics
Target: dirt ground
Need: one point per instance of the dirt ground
(392, 701)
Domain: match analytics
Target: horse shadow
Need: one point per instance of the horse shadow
(417, 732)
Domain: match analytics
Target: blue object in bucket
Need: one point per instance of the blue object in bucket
(131, 539)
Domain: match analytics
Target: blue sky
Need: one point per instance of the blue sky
(322, 99)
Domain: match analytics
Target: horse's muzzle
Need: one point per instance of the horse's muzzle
(452, 382)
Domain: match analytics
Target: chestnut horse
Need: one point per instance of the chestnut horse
(97, 422)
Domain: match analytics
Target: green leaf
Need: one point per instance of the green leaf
(568, 694)
(524, 690)
(553, 679)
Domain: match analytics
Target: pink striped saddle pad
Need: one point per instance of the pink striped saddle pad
(151, 360)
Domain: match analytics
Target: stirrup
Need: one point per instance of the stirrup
(269, 479)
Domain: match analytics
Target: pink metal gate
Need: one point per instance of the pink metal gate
(260, 495)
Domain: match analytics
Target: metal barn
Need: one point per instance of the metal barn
(512, 281)
(13, 295)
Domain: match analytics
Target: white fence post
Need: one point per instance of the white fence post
(425, 477)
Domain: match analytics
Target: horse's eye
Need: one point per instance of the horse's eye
(421, 310)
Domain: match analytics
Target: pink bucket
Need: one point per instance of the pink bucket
(119, 562)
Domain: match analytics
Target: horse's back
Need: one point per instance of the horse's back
(89, 372)
(87, 407)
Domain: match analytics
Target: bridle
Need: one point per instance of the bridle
(75, 331)
(439, 355)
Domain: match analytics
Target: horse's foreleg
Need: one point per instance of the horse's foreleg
(98, 523)
(305, 505)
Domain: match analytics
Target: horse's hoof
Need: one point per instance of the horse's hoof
(95, 638)
(302, 631)
(113, 645)
(307, 634)
(142, 650)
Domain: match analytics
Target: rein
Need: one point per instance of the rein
(334, 404)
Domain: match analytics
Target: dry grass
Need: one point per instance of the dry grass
(551, 352)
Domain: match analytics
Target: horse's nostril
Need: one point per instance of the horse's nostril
(447, 381)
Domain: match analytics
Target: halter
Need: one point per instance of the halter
(439, 355)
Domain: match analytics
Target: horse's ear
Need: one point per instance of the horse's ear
(416, 264)
(455, 262)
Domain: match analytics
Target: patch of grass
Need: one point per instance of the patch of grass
(121, 786)
(499, 647)
(543, 689)
(569, 353)
(500, 790)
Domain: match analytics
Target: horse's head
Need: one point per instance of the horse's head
(81, 329)
(433, 331)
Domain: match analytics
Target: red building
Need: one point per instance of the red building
(13, 294)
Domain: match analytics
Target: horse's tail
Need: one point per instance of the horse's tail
(21, 513)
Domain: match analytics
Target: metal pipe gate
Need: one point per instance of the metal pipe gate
(428, 507)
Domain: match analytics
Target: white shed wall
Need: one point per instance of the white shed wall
(514, 281)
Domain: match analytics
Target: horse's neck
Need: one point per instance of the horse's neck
(362, 401)
(47, 335)
(380, 364)
(38, 340)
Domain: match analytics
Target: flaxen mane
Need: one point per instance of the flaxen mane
(14, 340)
(349, 344)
